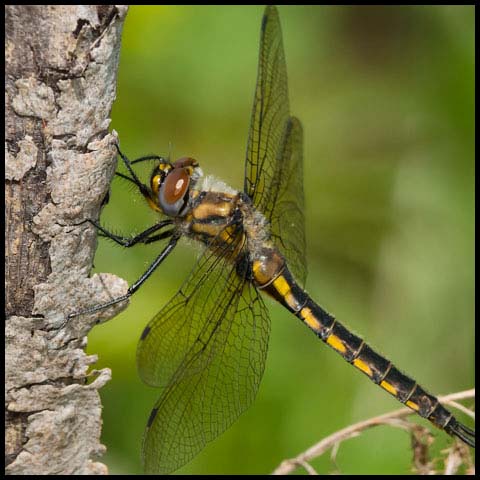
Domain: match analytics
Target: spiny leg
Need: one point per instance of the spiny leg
(141, 159)
(133, 288)
(149, 157)
(144, 190)
(128, 164)
(143, 237)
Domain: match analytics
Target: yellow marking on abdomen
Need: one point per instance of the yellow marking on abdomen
(291, 301)
(259, 273)
(281, 285)
(309, 319)
(412, 405)
(268, 268)
(284, 289)
(388, 387)
(336, 343)
(361, 365)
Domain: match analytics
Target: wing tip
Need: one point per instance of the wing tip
(294, 122)
(269, 13)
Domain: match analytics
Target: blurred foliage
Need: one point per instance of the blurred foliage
(386, 98)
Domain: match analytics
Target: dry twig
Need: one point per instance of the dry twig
(395, 418)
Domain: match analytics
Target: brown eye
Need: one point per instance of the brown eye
(185, 162)
(176, 185)
(173, 192)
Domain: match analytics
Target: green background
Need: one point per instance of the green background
(386, 98)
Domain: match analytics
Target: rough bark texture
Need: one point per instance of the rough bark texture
(61, 64)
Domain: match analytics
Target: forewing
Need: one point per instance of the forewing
(270, 109)
(273, 168)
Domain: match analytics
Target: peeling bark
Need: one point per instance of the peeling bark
(61, 65)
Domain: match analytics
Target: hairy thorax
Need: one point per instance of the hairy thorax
(226, 220)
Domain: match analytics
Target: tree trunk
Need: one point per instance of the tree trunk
(61, 65)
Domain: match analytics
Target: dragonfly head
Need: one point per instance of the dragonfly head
(171, 184)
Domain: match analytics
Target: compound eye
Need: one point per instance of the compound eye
(173, 191)
(176, 185)
(185, 162)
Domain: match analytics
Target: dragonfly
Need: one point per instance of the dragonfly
(206, 348)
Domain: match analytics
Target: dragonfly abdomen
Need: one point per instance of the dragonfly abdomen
(356, 352)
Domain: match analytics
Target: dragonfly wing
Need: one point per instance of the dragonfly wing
(176, 329)
(274, 163)
(217, 329)
(285, 205)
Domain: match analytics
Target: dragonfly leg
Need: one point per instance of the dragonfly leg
(144, 190)
(133, 288)
(137, 160)
(149, 157)
(143, 237)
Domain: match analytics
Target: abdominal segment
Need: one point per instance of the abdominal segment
(283, 288)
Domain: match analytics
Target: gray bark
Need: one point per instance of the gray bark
(61, 65)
